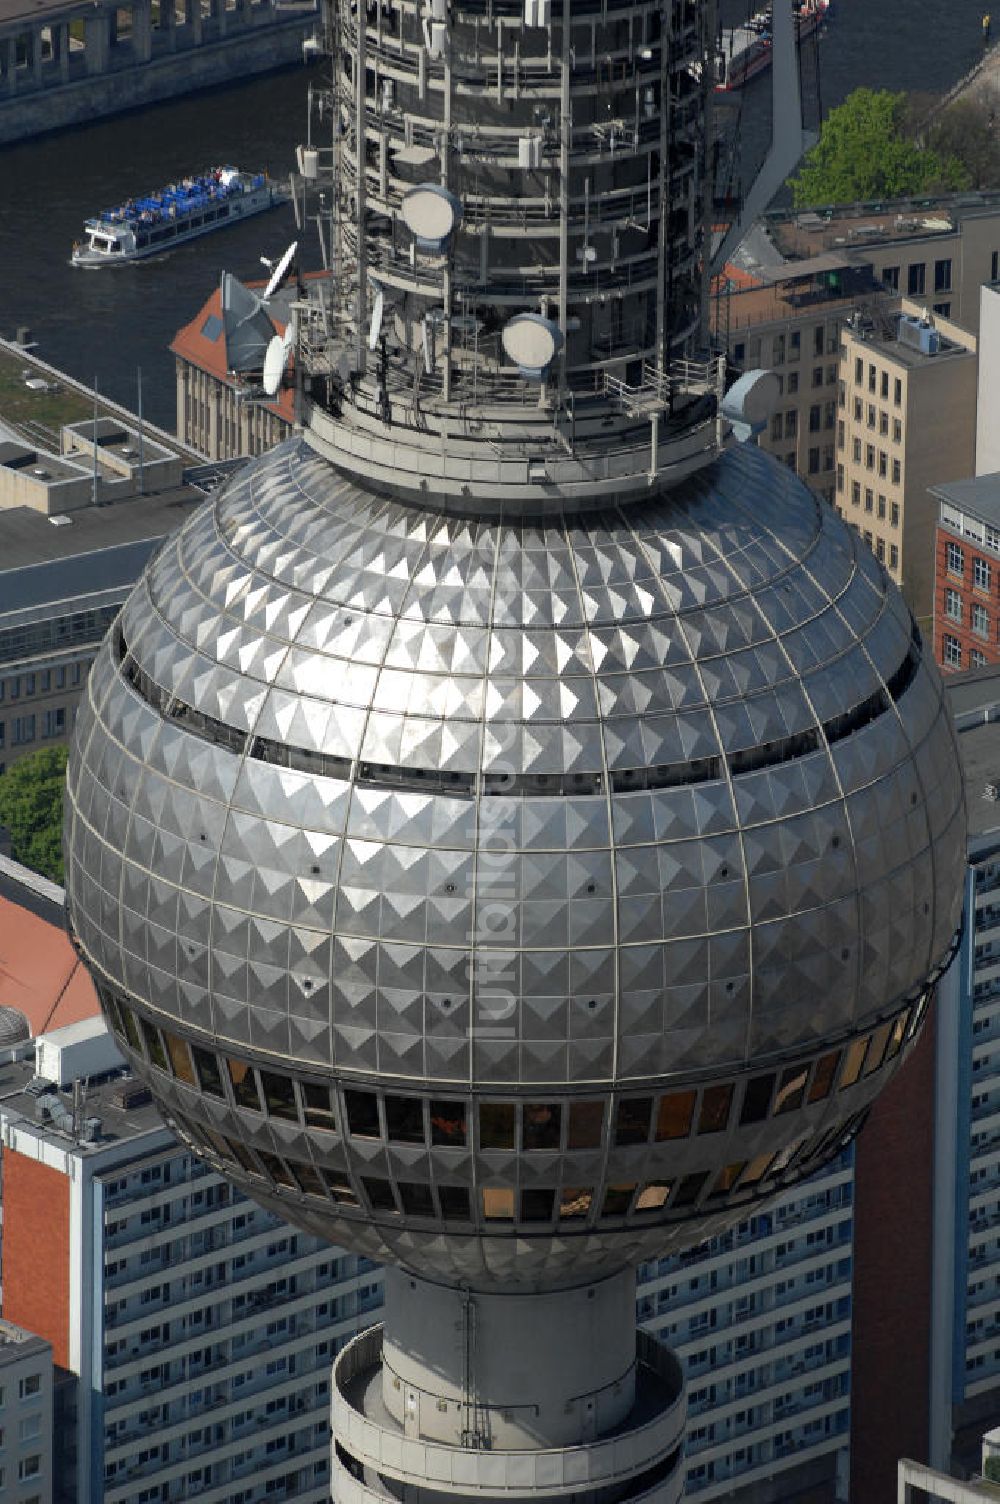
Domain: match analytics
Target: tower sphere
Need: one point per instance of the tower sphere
(514, 899)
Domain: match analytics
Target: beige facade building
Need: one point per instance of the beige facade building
(789, 321)
(906, 422)
(937, 252)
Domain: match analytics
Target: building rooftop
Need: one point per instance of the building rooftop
(96, 549)
(978, 496)
(847, 227)
(975, 704)
(40, 973)
(19, 1096)
(17, 1343)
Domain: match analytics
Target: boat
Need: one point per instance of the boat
(182, 211)
(746, 50)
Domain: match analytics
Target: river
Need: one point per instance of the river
(109, 323)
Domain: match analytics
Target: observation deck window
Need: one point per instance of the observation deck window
(715, 1105)
(617, 1200)
(454, 1203)
(575, 1201)
(675, 1115)
(244, 1084)
(340, 1187)
(207, 1068)
(727, 1177)
(180, 1060)
(310, 1180)
(757, 1099)
(316, 1106)
(277, 1169)
(536, 1205)
(791, 1089)
(541, 1126)
(690, 1188)
(416, 1199)
(632, 1124)
(854, 1059)
(448, 1123)
(653, 1197)
(379, 1193)
(497, 1124)
(279, 1096)
(404, 1120)
(586, 1125)
(498, 1203)
(362, 1114)
(157, 1054)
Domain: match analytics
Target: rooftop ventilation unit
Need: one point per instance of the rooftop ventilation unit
(919, 334)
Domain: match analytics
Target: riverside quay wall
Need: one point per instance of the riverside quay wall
(62, 63)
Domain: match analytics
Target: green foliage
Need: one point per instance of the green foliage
(864, 154)
(31, 808)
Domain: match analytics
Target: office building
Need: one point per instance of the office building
(907, 421)
(966, 1385)
(786, 317)
(60, 588)
(967, 574)
(25, 1417)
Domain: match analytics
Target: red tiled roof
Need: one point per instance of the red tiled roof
(40, 973)
(209, 355)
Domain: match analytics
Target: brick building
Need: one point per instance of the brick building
(967, 574)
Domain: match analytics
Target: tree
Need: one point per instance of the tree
(864, 154)
(969, 131)
(31, 808)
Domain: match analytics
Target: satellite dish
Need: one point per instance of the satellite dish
(375, 328)
(432, 214)
(278, 270)
(749, 403)
(414, 156)
(274, 363)
(246, 327)
(532, 343)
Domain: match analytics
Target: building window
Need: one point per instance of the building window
(792, 384)
(893, 556)
(980, 620)
(995, 266)
(814, 462)
(952, 604)
(883, 463)
(897, 431)
(977, 659)
(942, 276)
(894, 513)
(897, 472)
(952, 652)
(916, 279)
(859, 370)
(30, 1385)
(22, 730)
(881, 507)
(943, 310)
(897, 392)
(871, 414)
(840, 478)
(815, 418)
(791, 423)
(856, 492)
(869, 456)
(856, 451)
(869, 499)
(880, 550)
(890, 277)
(981, 573)
(817, 376)
(872, 379)
(954, 559)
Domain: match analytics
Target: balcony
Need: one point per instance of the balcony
(365, 1431)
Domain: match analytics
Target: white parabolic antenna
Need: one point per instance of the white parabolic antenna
(274, 364)
(432, 214)
(532, 343)
(279, 271)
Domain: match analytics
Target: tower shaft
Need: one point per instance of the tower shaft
(489, 1395)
